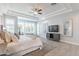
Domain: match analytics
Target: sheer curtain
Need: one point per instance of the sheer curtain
(22, 26)
(26, 27)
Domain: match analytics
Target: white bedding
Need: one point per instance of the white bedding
(25, 43)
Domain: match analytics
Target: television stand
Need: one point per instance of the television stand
(53, 36)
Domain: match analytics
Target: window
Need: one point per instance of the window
(10, 24)
(26, 27)
(20, 25)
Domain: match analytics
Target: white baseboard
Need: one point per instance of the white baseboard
(74, 43)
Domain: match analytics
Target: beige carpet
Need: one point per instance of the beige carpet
(64, 50)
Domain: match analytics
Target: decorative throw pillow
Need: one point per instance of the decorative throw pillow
(17, 35)
(1, 40)
(7, 37)
(2, 35)
(14, 38)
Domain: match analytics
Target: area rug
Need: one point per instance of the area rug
(46, 48)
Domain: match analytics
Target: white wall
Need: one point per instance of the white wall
(42, 29)
(60, 19)
(57, 20)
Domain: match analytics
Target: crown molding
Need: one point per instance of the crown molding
(15, 13)
(64, 10)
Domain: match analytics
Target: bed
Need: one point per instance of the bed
(24, 45)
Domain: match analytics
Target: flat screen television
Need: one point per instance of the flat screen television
(53, 28)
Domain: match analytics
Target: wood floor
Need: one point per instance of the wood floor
(52, 48)
(64, 50)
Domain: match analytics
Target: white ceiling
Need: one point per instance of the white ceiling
(26, 8)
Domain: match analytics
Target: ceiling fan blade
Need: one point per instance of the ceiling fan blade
(39, 10)
(40, 13)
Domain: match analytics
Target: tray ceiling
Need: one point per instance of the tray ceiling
(26, 8)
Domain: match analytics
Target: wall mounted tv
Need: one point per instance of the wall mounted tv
(53, 28)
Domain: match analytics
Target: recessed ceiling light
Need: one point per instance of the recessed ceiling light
(35, 13)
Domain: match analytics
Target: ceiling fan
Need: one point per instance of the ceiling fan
(36, 11)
